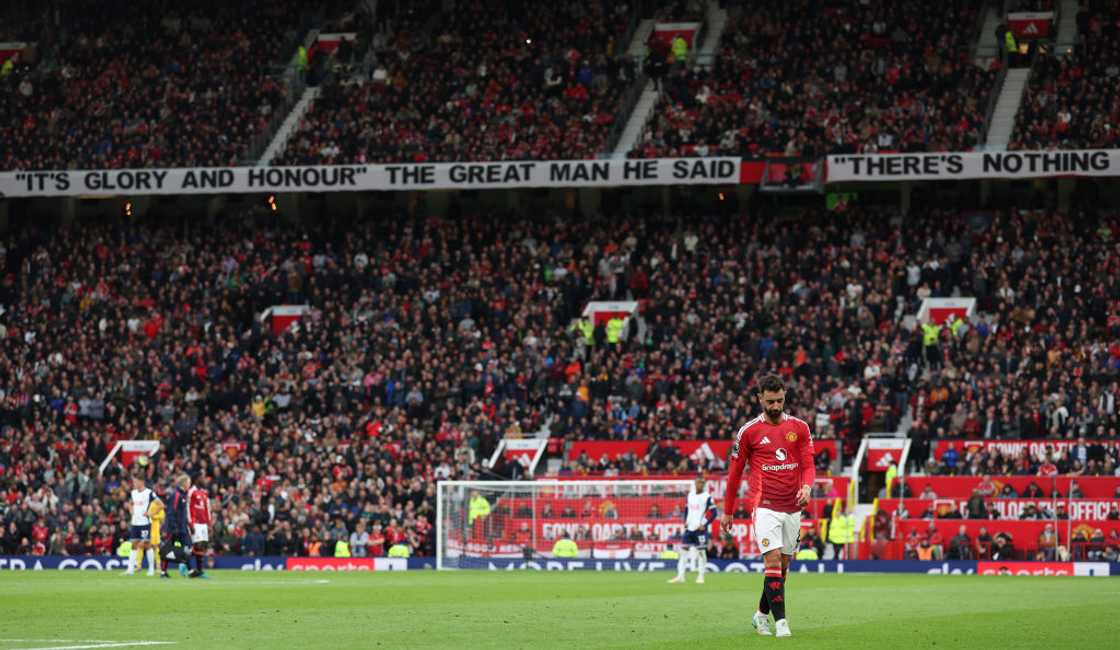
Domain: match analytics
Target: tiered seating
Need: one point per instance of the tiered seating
(806, 79)
(501, 81)
(143, 331)
(1072, 101)
(150, 84)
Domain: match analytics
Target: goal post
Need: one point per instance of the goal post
(478, 521)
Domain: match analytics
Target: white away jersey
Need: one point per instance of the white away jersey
(698, 507)
(141, 499)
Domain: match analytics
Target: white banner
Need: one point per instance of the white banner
(359, 178)
(972, 165)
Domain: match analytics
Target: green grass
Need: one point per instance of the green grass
(552, 610)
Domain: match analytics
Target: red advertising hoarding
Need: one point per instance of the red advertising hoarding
(881, 454)
(664, 33)
(1024, 533)
(1092, 487)
(696, 449)
(1086, 509)
(1030, 24)
(1012, 448)
(330, 564)
(1024, 568)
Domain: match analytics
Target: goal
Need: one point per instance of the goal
(479, 522)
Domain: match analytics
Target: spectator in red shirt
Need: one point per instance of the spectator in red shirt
(377, 542)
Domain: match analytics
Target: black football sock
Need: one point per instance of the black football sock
(763, 602)
(774, 585)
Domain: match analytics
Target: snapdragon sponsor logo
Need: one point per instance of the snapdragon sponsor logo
(779, 468)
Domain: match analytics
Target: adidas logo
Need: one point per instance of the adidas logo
(885, 460)
(764, 441)
(1031, 29)
(703, 452)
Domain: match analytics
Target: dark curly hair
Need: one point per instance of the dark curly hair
(770, 383)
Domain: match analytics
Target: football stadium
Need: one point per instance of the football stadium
(568, 324)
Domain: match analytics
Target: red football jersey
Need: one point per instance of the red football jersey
(198, 506)
(781, 461)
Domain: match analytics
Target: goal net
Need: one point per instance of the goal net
(480, 521)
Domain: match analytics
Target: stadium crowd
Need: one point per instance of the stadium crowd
(1098, 456)
(1043, 362)
(430, 339)
(806, 79)
(1072, 101)
(496, 80)
(148, 85)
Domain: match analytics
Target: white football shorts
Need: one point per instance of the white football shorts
(773, 529)
(201, 533)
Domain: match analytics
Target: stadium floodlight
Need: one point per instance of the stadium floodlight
(477, 521)
(129, 451)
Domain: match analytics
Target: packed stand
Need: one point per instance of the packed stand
(150, 85)
(1097, 456)
(799, 79)
(430, 339)
(1072, 100)
(497, 81)
(23, 21)
(1043, 359)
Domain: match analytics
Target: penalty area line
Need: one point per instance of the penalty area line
(256, 583)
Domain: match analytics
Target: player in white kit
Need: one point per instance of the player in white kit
(141, 499)
(698, 518)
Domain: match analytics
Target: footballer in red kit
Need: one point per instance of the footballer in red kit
(778, 448)
(198, 521)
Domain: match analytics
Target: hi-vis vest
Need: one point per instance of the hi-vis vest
(930, 332)
(341, 549)
(614, 330)
(565, 547)
(837, 530)
(479, 507)
(679, 48)
(1009, 41)
(587, 329)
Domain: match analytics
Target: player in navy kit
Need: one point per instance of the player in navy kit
(779, 450)
(177, 549)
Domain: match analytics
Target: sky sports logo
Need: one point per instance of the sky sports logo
(779, 468)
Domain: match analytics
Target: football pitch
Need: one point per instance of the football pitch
(467, 609)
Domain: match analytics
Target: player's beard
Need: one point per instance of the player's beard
(773, 414)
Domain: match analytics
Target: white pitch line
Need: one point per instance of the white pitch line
(280, 582)
(122, 644)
